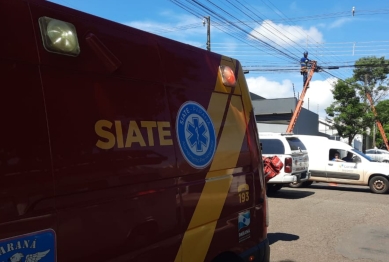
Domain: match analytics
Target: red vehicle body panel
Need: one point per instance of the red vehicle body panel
(89, 151)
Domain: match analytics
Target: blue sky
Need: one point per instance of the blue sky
(266, 35)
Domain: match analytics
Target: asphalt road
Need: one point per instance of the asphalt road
(328, 223)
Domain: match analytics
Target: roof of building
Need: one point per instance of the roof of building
(256, 97)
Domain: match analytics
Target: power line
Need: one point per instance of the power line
(240, 30)
(284, 48)
(288, 19)
(299, 29)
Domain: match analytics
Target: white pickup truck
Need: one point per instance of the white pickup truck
(356, 169)
(291, 152)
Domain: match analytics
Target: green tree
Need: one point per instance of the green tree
(372, 73)
(382, 109)
(348, 112)
(351, 109)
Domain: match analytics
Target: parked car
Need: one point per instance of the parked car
(378, 155)
(292, 153)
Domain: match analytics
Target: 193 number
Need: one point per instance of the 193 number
(244, 197)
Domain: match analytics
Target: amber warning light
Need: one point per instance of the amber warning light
(228, 76)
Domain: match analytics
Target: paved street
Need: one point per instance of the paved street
(329, 223)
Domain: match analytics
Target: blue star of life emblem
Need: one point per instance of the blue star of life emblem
(195, 134)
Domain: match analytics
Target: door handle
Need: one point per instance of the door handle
(330, 164)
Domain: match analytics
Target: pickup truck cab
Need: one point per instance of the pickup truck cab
(292, 153)
(358, 170)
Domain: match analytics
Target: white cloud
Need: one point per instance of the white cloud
(270, 89)
(319, 93)
(148, 26)
(339, 22)
(184, 28)
(320, 96)
(286, 35)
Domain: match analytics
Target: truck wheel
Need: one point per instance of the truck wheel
(301, 184)
(296, 184)
(379, 185)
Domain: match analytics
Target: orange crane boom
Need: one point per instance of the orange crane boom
(299, 105)
(382, 131)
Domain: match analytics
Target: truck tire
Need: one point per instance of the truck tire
(301, 184)
(296, 184)
(379, 185)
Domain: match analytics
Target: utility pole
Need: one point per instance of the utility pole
(366, 90)
(374, 145)
(364, 133)
(208, 22)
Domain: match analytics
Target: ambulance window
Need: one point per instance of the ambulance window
(272, 146)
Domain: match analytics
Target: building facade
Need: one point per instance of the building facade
(274, 115)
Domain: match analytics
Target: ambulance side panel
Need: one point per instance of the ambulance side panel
(26, 181)
(113, 158)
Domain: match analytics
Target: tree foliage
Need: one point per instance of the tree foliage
(351, 110)
(349, 113)
(371, 73)
(382, 109)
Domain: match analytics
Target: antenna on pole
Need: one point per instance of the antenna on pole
(294, 94)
